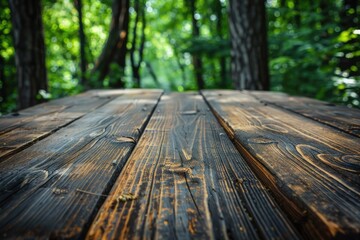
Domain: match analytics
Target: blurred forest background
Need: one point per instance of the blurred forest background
(313, 46)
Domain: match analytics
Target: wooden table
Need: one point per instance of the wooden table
(119, 164)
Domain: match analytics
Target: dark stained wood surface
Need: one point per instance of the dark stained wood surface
(341, 117)
(312, 169)
(186, 180)
(42, 187)
(21, 129)
(225, 165)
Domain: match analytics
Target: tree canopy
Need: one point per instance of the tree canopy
(313, 47)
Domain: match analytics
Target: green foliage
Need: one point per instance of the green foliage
(62, 41)
(313, 47)
(212, 47)
(8, 84)
(170, 44)
(307, 51)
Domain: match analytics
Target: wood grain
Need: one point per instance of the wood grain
(186, 180)
(340, 117)
(312, 169)
(22, 129)
(53, 188)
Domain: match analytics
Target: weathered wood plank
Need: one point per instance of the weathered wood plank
(13, 120)
(186, 180)
(312, 169)
(340, 117)
(20, 130)
(41, 187)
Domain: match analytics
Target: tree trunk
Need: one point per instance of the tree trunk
(219, 29)
(249, 44)
(116, 42)
(135, 66)
(83, 62)
(120, 56)
(197, 62)
(29, 50)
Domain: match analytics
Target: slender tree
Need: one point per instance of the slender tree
(120, 56)
(220, 32)
(196, 59)
(249, 44)
(135, 65)
(29, 50)
(82, 38)
(114, 50)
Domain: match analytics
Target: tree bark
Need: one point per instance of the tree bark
(120, 56)
(29, 50)
(116, 42)
(82, 38)
(249, 44)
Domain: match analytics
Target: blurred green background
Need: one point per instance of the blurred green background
(314, 47)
